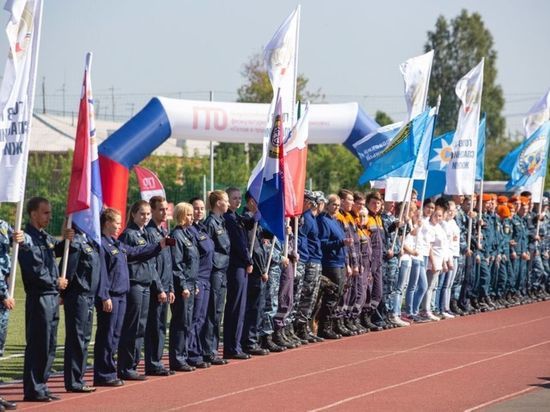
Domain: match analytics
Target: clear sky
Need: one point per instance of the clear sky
(351, 50)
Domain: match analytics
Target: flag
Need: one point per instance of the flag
(269, 188)
(396, 186)
(416, 75)
(527, 162)
(85, 199)
(295, 166)
(402, 149)
(461, 172)
(280, 60)
(17, 95)
(441, 154)
(149, 183)
(373, 144)
(537, 115)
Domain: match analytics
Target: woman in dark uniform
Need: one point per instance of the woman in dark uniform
(185, 264)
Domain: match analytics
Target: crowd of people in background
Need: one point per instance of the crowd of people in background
(358, 265)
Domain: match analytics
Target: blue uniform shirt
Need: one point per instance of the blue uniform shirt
(37, 260)
(331, 236)
(238, 236)
(310, 229)
(163, 262)
(206, 249)
(215, 227)
(185, 259)
(143, 272)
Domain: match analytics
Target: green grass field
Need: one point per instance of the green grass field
(11, 365)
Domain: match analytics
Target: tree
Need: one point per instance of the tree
(459, 45)
(382, 118)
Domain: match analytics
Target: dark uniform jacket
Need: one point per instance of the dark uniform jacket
(185, 259)
(163, 262)
(144, 271)
(215, 227)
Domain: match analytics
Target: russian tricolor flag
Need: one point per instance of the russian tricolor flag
(85, 198)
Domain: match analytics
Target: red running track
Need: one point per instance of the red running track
(453, 365)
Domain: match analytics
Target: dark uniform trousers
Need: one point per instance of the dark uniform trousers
(216, 303)
(329, 310)
(180, 327)
(41, 320)
(254, 308)
(198, 344)
(155, 334)
(133, 328)
(79, 310)
(109, 326)
(234, 309)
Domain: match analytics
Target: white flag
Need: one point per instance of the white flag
(461, 171)
(416, 73)
(17, 95)
(536, 116)
(280, 59)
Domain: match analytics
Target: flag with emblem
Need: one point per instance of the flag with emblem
(527, 162)
(17, 95)
(84, 200)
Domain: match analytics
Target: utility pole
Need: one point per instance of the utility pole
(44, 95)
(211, 153)
(112, 89)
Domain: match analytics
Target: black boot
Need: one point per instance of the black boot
(326, 330)
(359, 327)
(280, 339)
(350, 325)
(367, 323)
(454, 308)
(267, 343)
(313, 336)
(301, 331)
(290, 334)
(340, 328)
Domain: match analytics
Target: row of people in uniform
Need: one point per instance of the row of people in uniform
(355, 268)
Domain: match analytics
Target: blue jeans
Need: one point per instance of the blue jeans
(443, 290)
(401, 285)
(417, 286)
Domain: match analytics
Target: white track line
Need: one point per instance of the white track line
(306, 375)
(502, 398)
(431, 375)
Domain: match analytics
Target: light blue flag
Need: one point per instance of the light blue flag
(480, 166)
(401, 150)
(528, 161)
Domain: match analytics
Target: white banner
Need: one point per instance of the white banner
(461, 171)
(246, 122)
(17, 95)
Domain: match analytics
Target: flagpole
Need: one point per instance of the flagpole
(480, 212)
(294, 91)
(271, 253)
(15, 249)
(425, 185)
(211, 153)
(66, 249)
(253, 240)
(540, 204)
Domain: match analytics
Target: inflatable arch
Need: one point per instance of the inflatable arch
(161, 118)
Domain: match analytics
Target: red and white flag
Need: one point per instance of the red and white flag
(295, 166)
(149, 183)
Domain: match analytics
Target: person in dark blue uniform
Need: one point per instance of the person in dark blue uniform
(142, 275)
(185, 264)
(42, 283)
(240, 265)
(205, 246)
(215, 227)
(85, 267)
(162, 292)
(255, 287)
(111, 301)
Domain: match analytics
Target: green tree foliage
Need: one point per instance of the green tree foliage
(382, 118)
(459, 45)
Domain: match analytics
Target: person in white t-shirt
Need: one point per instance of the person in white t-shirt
(436, 261)
(418, 282)
(446, 279)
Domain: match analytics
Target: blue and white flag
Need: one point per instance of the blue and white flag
(401, 150)
(267, 186)
(527, 162)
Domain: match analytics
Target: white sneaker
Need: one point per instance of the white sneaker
(396, 320)
(431, 316)
(447, 315)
